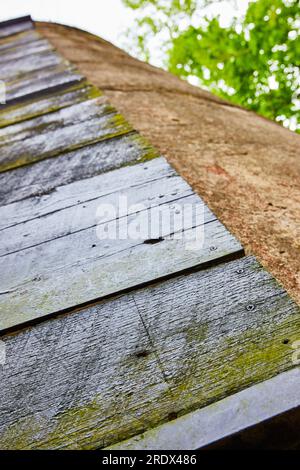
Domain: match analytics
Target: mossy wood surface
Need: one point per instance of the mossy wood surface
(37, 82)
(69, 95)
(67, 129)
(152, 330)
(100, 375)
(45, 176)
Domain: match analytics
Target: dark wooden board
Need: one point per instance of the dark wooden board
(111, 371)
(233, 422)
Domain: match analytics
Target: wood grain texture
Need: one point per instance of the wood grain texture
(36, 284)
(100, 375)
(157, 171)
(44, 176)
(62, 218)
(64, 130)
(21, 39)
(234, 423)
(115, 366)
(39, 81)
(22, 50)
(53, 101)
(29, 64)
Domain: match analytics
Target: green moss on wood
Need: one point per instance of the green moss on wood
(239, 362)
(13, 114)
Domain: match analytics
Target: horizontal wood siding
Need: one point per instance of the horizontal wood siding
(97, 376)
(64, 130)
(45, 176)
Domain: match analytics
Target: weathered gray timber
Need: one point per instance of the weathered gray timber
(20, 52)
(59, 99)
(108, 186)
(36, 284)
(20, 39)
(46, 175)
(40, 81)
(97, 376)
(31, 63)
(82, 215)
(9, 28)
(64, 130)
(236, 413)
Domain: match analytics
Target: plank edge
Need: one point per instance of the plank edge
(224, 418)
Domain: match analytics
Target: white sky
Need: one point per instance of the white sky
(106, 18)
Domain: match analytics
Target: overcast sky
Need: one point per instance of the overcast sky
(106, 18)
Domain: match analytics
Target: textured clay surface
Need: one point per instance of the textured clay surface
(246, 168)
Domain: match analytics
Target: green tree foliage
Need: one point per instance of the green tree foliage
(253, 62)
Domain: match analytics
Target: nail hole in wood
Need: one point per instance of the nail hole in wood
(144, 353)
(153, 241)
(250, 307)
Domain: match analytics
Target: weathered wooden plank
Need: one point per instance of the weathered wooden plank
(126, 179)
(73, 114)
(20, 39)
(24, 50)
(11, 27)
(31, 63)
(64, 130)
(80, 267)
(39, 82)
(236, 413)
(86, 245)
(58, 99)
(82, 215)
(44, 176)
(103, 374)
